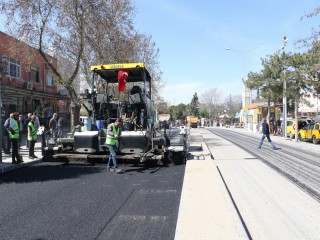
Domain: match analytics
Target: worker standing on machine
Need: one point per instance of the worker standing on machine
(113, 134)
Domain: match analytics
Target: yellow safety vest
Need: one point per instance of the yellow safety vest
(33, 133)
(111, 140)
(15, 129)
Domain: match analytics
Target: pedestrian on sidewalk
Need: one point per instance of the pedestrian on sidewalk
(26, 122)
(32, 136)
(6, 134)
(53, 126)
(37, 121)
(14, 137)
(113, 133)
(60, 127)
(266, 133)
(21, 129)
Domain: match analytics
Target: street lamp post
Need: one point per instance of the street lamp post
(244, 57)
(244, 75)
(285, 40)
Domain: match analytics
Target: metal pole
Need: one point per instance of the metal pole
(317, 119)
(93, 100)
(284, 91)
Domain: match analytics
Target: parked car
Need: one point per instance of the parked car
(291, 126)
(310, 132)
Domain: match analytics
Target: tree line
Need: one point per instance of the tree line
(209, 106)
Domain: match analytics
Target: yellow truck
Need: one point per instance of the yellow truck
(192, 121)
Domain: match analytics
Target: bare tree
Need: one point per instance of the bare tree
(315, 32)
(233, 104)
(149, 53)
(83, 33)
(210, 100)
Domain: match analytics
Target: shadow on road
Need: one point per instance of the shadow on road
(49, 172)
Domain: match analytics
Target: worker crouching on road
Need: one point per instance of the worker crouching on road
(14, 137)
(113, 133)
(32, 136)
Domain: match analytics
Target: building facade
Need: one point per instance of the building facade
(27, 81)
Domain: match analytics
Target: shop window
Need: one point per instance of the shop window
(34, 74)
(11, 67)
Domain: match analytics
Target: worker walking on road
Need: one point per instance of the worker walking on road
(113, 133)
(266, 133)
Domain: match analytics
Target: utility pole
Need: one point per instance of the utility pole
(317, 117)
(285, 40)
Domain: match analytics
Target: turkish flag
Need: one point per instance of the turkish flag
(122, 79)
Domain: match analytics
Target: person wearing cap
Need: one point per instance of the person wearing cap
(14, 137)
(113, 133)
(32, 136)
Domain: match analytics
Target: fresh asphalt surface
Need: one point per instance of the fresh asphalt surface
(57, 201)
(272, 191)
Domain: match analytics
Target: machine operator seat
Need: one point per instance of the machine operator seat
(135, 95)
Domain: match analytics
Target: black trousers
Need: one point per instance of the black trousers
(15, 149)
(20, 137)
(8, 142)
(31, 148)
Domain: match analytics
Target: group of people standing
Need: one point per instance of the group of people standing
(16, 126)
(56, 126)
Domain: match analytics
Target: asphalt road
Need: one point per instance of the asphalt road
(56, 201)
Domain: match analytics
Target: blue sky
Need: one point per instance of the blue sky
(192, 37)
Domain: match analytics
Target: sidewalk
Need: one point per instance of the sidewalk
(206, 211)
(7, 166)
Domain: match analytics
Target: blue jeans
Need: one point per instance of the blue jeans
(268, 137)
(112, 157)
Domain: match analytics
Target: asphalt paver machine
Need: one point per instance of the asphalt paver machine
(127, 96)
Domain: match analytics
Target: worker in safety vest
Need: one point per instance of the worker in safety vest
(113, 133)
(32, 136)
(13, 131)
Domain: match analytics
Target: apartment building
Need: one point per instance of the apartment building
(27, 81)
